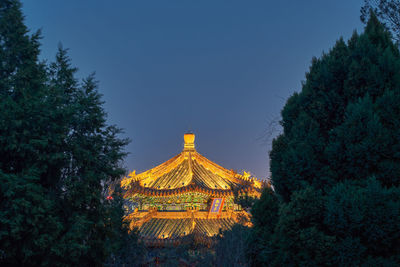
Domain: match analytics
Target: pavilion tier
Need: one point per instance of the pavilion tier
(190, 171)
(166, 198)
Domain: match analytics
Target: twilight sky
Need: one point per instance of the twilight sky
(222, 69)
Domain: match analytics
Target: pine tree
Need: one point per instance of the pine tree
(336, 166)
(92, 155)
(366, 223)
(260, 250)
(22, 80)
(57, 157)
(387, 11)
(28, 223)
(299, 238)
(366, 67)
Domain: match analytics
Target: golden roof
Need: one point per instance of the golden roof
(175, 228)
(190, 171)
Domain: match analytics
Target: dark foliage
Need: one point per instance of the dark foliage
(231, 247)
(336, 166)
(265, 216)
(388, 11)
(57, 157)
(333, 128)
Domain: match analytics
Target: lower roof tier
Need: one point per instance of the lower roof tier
(157, 228)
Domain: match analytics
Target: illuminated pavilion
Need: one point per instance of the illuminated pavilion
(186, 197)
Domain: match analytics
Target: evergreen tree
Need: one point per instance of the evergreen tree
(366, 223)
(22, 87)
(388, 11)
(93, 153)
(230, 249)
(299, 238)
(265, 217)
(336, 166)
(308, 151)
(28, 223)
(57, 157)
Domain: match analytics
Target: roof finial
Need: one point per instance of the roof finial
(189, 141)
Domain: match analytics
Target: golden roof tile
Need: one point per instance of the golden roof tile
(189, 171)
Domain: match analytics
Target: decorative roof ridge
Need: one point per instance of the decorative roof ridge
(247, 177)
(216, 168)
(203, 158)
(189, 153)
(160, 167)
(139, 189)
(169, 164)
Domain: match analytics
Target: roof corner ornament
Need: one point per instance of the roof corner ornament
(246, 175)
(126, 181)
(132, 174)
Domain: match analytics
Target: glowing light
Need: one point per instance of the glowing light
(183, 179)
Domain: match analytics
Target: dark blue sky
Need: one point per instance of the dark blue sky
(223, 69)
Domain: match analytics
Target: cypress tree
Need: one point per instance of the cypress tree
(336, 166)
(58, 156)
(28, 223)
(308, 152)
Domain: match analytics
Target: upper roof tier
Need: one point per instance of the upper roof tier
(190, 169)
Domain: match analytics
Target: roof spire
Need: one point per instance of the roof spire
(189, 141)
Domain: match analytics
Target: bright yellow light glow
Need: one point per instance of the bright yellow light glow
(186, 173)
